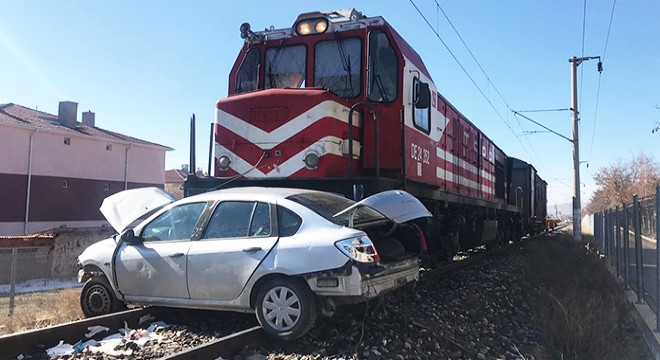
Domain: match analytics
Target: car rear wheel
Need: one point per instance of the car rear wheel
(286, 308)
(97, 298)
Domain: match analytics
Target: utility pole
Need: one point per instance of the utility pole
(577, 207)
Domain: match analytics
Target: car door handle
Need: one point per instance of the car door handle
(252, 249)
(176, 255)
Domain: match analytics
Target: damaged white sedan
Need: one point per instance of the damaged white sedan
(286, 254)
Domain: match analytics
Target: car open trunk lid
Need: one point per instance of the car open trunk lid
(398, 205)
(123, 208)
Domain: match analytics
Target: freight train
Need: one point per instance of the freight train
(341, 102)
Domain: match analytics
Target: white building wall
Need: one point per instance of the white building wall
(14, 149)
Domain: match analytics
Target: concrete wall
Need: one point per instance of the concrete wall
(58, 261)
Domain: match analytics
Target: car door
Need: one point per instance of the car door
(237, 238)
(156, 267)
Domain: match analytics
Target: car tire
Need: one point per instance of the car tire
(286, 308)
(97, 298)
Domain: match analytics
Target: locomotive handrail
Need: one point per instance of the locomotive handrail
(350, 137)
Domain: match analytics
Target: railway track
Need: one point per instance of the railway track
(32, 344)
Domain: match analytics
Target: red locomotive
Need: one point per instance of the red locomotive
(340, 102)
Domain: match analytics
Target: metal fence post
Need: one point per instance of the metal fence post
(601, 230)
(12, 280)
(598, 221)
(609, 235)
(638, 249)
(605, 234)
(657, 258)
(617, 236)
(626, 246)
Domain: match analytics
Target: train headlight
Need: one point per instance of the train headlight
(311, 160)
(223, 162)
(321, 26)
(312, 26)
(304, 28)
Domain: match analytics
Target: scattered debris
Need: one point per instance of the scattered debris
(122, 343)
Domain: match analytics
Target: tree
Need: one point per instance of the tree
(617, 183)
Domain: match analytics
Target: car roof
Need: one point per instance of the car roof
(251, 192)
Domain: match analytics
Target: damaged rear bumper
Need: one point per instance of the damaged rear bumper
(356, 284)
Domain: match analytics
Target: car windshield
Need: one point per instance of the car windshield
(327, 205)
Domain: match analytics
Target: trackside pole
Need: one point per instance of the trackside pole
(638, 249)
(657, 258)
(626, 246)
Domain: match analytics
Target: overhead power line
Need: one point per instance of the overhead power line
(437, 34)
(607, 40)
(542, 110)
(471, 54)
(541, 125)
(609, 28)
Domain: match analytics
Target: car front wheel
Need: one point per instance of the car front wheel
(97, 298)
(286, 308)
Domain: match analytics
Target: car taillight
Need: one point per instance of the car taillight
(359, 249)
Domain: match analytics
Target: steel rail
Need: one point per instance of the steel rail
(34, 341)
(225, 347)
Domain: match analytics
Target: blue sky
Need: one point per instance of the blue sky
(144, 67)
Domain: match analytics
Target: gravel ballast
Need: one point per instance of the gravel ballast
(479, 312)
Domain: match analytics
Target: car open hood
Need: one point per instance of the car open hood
(124, 207)
(397, 205)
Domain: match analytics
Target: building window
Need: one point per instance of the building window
(106, 187)
(65, 184)
(67, 141)
(108, 147)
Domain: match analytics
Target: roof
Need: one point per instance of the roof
(18, 115)
(175, 176)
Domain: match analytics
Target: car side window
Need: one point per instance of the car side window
(233, 219)
(177, 223)
(288, 222)
(260, 224)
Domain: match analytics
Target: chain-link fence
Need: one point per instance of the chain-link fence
(627, 237)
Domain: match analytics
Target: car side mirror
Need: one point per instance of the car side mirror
(423, 99)
(129, 237)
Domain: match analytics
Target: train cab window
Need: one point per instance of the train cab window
(383, 68)
(421, 116)
(247, 78)
(338, 66)
(285, 67)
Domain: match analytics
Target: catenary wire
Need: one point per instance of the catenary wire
(584, 28)
(607, 40)
(437, 34)
(471, 54)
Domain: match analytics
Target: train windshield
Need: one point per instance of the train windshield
(337, 66)
(285, 67)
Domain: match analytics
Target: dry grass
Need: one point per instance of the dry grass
(40, 309)
(582, 311)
